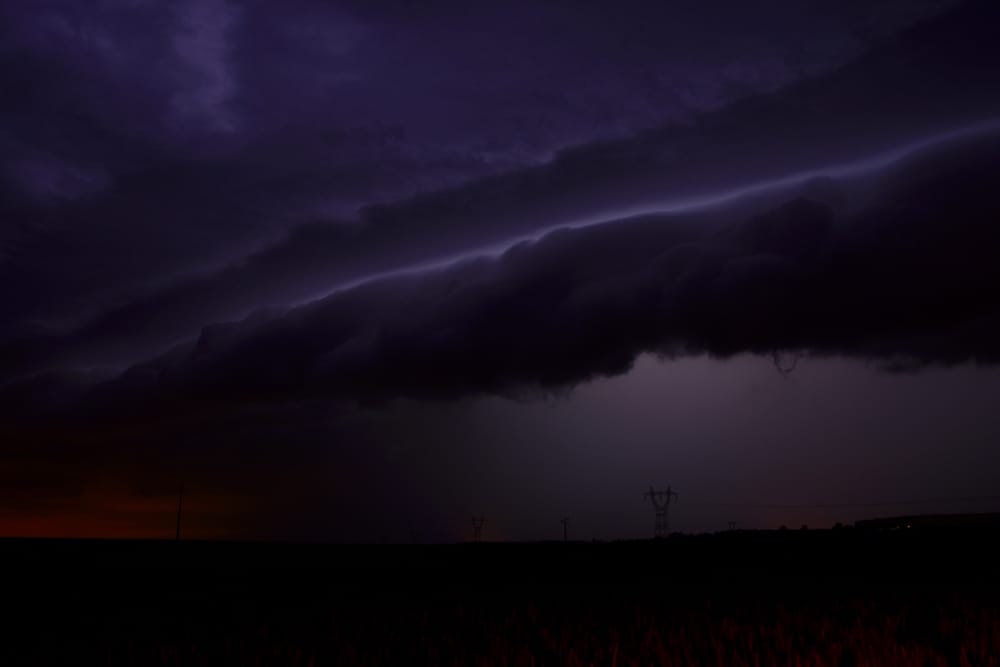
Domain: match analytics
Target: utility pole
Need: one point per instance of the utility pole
(565, 524)
(661, 505)
(180, 504)
(477, 528)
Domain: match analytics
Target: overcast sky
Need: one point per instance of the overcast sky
(355, 271)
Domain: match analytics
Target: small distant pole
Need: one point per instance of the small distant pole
(180, 504)
(565, 524)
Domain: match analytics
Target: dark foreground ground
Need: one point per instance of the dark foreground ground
(844, 597)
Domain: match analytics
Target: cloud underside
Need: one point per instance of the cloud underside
(906, 275)
(141, 202)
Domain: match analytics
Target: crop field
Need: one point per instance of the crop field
(486, 608)
(850, 632)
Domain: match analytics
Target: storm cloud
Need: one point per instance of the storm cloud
(213, 200)
(899, 269)
(300, 255)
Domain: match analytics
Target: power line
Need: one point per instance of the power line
(887, 503)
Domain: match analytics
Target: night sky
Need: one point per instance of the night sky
(356, 271)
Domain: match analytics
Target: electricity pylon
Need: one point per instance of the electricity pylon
(477, 528)
(661, 504)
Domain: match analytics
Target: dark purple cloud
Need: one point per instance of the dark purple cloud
(897, 269)
(145, 145)
(228, 234)
(803, 126)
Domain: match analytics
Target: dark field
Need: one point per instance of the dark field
(846, 597)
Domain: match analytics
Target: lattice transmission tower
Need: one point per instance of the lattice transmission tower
(661, 505)
(477, 528)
